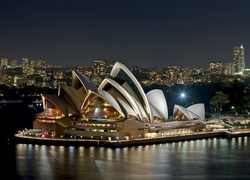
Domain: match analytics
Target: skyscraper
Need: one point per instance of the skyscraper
(100, 67)
(239, 59)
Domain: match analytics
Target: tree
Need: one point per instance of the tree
(245, 104)
(3, 90)
(219, 100)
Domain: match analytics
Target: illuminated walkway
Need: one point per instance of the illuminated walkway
(19, 138)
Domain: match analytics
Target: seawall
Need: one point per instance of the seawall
(115, 144)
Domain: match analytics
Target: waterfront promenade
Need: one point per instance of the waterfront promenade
(118, 143)
(19, 138)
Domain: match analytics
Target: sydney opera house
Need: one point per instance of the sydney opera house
(117, 109)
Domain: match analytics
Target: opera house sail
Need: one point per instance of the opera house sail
(117, 109)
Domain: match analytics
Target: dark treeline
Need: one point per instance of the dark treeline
(26, 93)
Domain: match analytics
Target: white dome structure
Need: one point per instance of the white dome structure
(117, 108)
(193, 112)
(158, 103)
(198, 109)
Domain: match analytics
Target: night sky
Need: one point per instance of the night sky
(144, 33)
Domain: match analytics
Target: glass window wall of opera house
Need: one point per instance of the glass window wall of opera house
(117, 109)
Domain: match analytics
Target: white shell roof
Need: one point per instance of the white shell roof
(58, 102)
(128, 108)
(157, 99)
(74, 97)
(123, 92)
(135, 84)
(132, 101)
(107, 97)
(86, 83)
(198, 109)
(189, 114)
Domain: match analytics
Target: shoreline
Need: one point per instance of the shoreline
(121, 143)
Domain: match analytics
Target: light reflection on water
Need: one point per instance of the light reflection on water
(199, 159)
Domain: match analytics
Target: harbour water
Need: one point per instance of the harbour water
(215, 158)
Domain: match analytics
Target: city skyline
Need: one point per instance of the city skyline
(137, 33)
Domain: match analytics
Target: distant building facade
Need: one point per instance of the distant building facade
(239, 59)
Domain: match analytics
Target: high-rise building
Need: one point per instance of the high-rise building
(239, 59)
(229, 69)
(100, 67)
(4, 62)
(25, 65)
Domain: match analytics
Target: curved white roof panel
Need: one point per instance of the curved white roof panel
(193, 115)
(108, 83)
(73, 97)
(121, 72)
(128, 108)
(80, 80)
(116, 98)
(107, 97)
(155, 111)
(128, 88)
(198, 109)
(157, 99)
(58, 102)
(188, 113)
(182, 109)
(111, 100)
